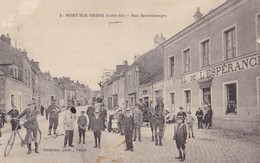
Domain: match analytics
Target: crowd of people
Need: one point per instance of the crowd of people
(125, 121)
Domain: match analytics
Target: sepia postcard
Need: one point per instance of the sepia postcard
(123, 81)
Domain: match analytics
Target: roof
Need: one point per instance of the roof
(159, 75)
(205, 18)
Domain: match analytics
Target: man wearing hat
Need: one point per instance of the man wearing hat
(54, 117)
(199, 114)
(68, 121)
(180, 137)
(129, 127)
(13, 113)
(96, 127)
(138, 121)
(82, 124)
(103, 115)
(31, 125)
(121, 121)
(90, 112)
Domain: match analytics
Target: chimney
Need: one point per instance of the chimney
(8, 39)
(162, 38)
(158, 40)
(24, 52)
(35, 64)
(125, 63)
(197, 15)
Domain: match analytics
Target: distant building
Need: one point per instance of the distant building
(106, 74)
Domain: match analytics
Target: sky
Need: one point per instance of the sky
(81, 47)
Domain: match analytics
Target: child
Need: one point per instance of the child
(115, 125)
(82, 124)
(97, 126)
(180, 137)
(189, 122)
(129, 127)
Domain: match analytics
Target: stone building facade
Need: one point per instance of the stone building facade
(215, 61)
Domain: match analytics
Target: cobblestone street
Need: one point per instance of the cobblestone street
(208, 146)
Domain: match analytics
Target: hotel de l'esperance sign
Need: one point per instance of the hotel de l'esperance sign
(224, 68)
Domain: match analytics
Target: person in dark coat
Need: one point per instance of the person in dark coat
(138, 121)
(54, 117)
(182, 113)
(121, 118)
(47, 114)
(96, 127)
(2, 118)
(103, 115)
(31, 125)
(199, 115)
(42, 110)
(180, 137)
(13, 113)
(209, 117)
(129, 127)
(90, 112)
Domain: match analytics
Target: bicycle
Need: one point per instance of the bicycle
(11, 140)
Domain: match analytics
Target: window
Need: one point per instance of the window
(172, 95)
(258, 32)
(115, 100)
(15, 73)
(172, 66)
(188, 100)
(25, 76)
(186, 54)
(231, 97)
(12, 100)
(129, 80)
(158, 94)
(206, 93)
(205, 53)
(230, 43)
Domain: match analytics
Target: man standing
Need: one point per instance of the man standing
(90, 113)
(42, 110)
(54, 117)
(138, 120)
(199, 114)
(121, 118)
(96, 127)
(47, 114)
(68, 121)
(31, 125)
(103, 115)
(129, 126)
(141, 105)
(13, 113)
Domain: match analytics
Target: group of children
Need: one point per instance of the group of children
(96, 126)
(82, 121)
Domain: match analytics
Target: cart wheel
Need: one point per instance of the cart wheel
(9, 144)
